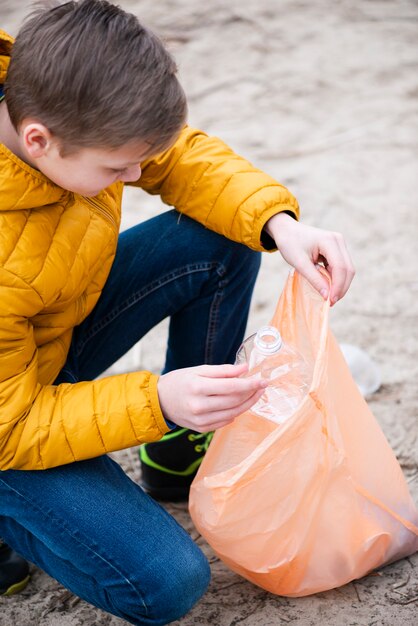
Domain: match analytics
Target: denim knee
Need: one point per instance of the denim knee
(171, 593)
(184, 588)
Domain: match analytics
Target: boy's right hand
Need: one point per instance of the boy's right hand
(207, 397)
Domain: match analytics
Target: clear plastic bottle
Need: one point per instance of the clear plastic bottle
(269, 357)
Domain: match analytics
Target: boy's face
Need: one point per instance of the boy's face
(90, 170)
(85, 171)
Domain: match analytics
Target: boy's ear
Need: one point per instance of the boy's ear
(36, 138)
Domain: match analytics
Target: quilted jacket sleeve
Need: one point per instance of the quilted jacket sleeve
(46, 426)
(203, 178)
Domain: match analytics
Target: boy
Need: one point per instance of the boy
(92, 102)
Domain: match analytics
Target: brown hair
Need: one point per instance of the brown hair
(95, 77)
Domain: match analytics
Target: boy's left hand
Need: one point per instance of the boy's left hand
(304, 247)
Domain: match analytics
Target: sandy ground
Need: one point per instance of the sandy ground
(323, 96)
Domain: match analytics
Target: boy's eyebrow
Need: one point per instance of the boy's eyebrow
(117, 166)
(127, 164)
(144, 156)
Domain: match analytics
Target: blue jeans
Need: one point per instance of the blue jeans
(87, 524)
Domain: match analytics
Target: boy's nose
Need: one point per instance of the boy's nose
(131, 174)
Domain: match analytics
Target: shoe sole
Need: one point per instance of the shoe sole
(167, 494)
(16, 587)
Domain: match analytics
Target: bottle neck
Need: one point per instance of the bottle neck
(268, 340)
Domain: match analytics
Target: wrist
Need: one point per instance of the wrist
(278, 223)
(164, 412)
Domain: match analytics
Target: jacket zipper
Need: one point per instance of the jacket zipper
(104, 212)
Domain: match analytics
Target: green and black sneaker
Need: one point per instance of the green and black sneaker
(14, 571)
(169, 465)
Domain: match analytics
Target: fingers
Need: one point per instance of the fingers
(211, 395)
(205, 385)
(304, 246)
(339, 266)
(332, 250)
(217, 419)
(204, 403)
(191, 398)
(222, 371)
(309, 270)
(341, 276)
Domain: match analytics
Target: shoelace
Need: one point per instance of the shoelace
(201, 447)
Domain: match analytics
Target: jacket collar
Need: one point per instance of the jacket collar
(23, 187)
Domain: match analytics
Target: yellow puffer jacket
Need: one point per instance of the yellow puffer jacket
(56, 251)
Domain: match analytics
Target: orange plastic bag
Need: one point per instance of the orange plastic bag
(315, 502)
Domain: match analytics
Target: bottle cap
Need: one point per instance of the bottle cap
(268, 340)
